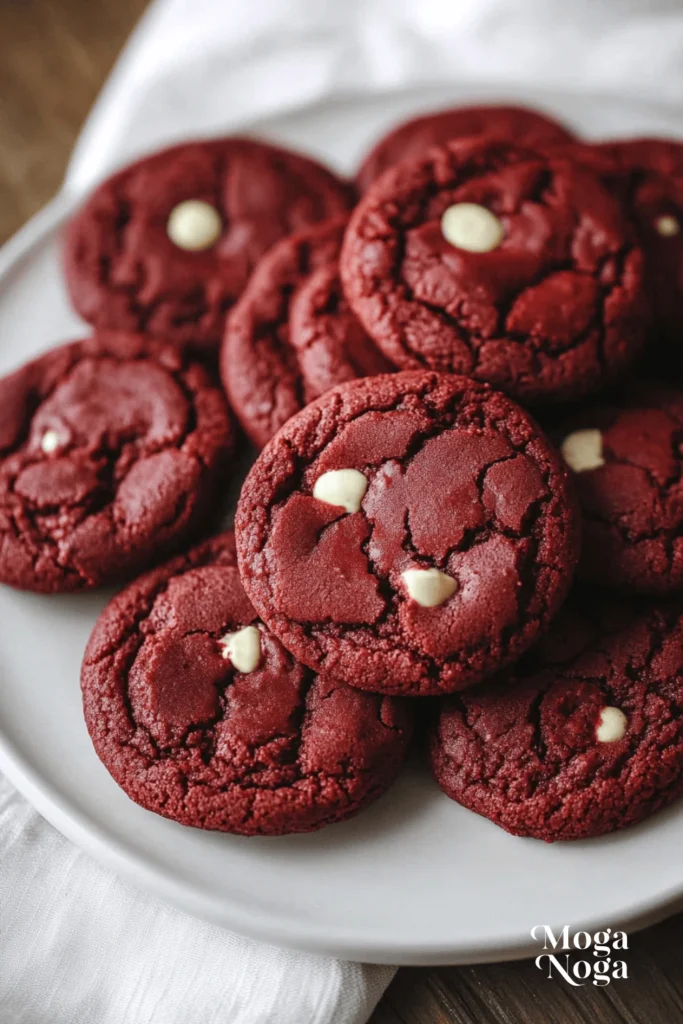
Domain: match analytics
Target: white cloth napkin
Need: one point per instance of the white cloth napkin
(80, 946)
(77, 945)
(198, 67)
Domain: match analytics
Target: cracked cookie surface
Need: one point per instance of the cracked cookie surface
(447, 492)
(268, 751)
(632, 500)
(411, 140)
(111, 450)
(124, 270)
(553, 311)
(531, 751)
(292, 336)
(647, 176)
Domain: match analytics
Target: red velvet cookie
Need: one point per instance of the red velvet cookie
(508, 264)
(648, 178)
(202, 716)
(166, 246)
(585, 738)
(408, 533)
(292, 336)
(627, 456)
(411, 140)
(111, 450)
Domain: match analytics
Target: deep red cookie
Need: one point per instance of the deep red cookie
(411, 140)
(627, 456)
(292, 336)
(222, 733)
(550, 304)
(648, 178)
(124, 271)
(111, 450)
(449, 493)
(585, 738)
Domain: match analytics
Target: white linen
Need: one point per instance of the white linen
(80, 946)
(199, 67)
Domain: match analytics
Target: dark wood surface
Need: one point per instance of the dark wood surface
(54, 56)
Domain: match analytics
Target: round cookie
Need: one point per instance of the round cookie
(202, 716)
(330, 344)
(627, 457)
(166, 246)
(408, 533)
(508, 264)
(292, 336)
(111, 450)
(584, 738)
(648, 178)
(411, 140)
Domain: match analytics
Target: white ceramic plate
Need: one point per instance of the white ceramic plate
(414, 879)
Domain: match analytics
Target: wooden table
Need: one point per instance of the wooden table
(54, 56)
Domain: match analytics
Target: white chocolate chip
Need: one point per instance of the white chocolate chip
(582, 450)
(243, 648)
(429, 587)
(472, 227)
(612, 725)
(49, 442)
(667, 226)
(343, 487)
(194, 225)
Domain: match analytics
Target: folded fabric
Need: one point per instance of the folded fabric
(80, 946)
(198, 67)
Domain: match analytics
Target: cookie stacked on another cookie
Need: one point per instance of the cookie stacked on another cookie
(112, 454)
(408, 533)
(201, 715)
(510, 264)
(166, 246)
(650, 183)
(646, 176)
(412, 140)
(586, 734)
(292, 336)
(626, 454)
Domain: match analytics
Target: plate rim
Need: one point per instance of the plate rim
(106, 848)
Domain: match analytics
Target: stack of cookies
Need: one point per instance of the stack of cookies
(465, 510)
